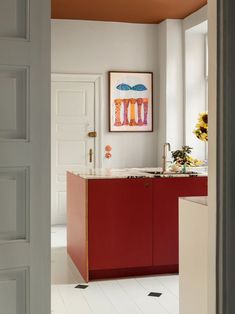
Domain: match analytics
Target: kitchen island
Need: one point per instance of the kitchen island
(126, 223)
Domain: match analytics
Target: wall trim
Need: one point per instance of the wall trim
(212, 154)
(97, 79)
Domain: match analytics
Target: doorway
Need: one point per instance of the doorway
(75, 133)
(151, 283)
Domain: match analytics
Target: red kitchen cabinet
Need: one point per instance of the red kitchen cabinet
(120, 223)
(166, 192)
(123, 227)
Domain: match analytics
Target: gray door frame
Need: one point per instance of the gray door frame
(226, 157)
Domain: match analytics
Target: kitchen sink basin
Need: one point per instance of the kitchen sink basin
(167, 174)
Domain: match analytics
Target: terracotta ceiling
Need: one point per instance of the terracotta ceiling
(132, 11)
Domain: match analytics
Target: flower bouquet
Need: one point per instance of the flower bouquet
(182, 157)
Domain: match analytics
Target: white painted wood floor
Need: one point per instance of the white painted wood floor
(125, 296)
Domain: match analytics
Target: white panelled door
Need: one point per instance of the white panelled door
(73, 118)
(24, 157)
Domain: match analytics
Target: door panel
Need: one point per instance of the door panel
(25, 157)
(14, 18)
(13, 102)
(13, 291)
(14, 183)
(120, 223)
(166, 193)
(73, 116)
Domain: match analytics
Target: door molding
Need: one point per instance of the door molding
(225, 157)
(97, 80)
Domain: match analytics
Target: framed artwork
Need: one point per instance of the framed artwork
(131, 101)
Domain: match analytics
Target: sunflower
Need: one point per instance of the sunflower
(201, 130)
(203, 118)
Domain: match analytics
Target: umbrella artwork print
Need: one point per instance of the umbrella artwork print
(130, 101)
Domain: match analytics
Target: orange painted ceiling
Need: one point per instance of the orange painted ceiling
(132, 11)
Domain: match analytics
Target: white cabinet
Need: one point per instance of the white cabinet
(193, 255)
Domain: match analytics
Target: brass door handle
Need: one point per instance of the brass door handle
(92, 134)
(90, 154)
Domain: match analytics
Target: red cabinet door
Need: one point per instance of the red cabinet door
(166, 192)
(119, 223)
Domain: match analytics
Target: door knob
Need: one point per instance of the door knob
(92, 134)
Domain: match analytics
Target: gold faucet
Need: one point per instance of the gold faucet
(164, 157)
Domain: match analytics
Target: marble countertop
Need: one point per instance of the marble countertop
(101, 173)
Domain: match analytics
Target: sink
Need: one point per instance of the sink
(162, 174)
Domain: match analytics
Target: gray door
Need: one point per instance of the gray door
(24, 156)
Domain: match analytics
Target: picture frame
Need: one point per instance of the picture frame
(130, 101)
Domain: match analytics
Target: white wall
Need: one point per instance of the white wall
(174, 85)
(195, 89)
(182, 95)
(162, 117)
(171, 114)
(99, 47)
(195, 28)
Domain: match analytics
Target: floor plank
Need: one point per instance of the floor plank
(147, 304)
(124, 296)
(118, 297)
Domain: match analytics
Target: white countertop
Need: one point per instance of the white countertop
(202, 200)
(101, 173)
